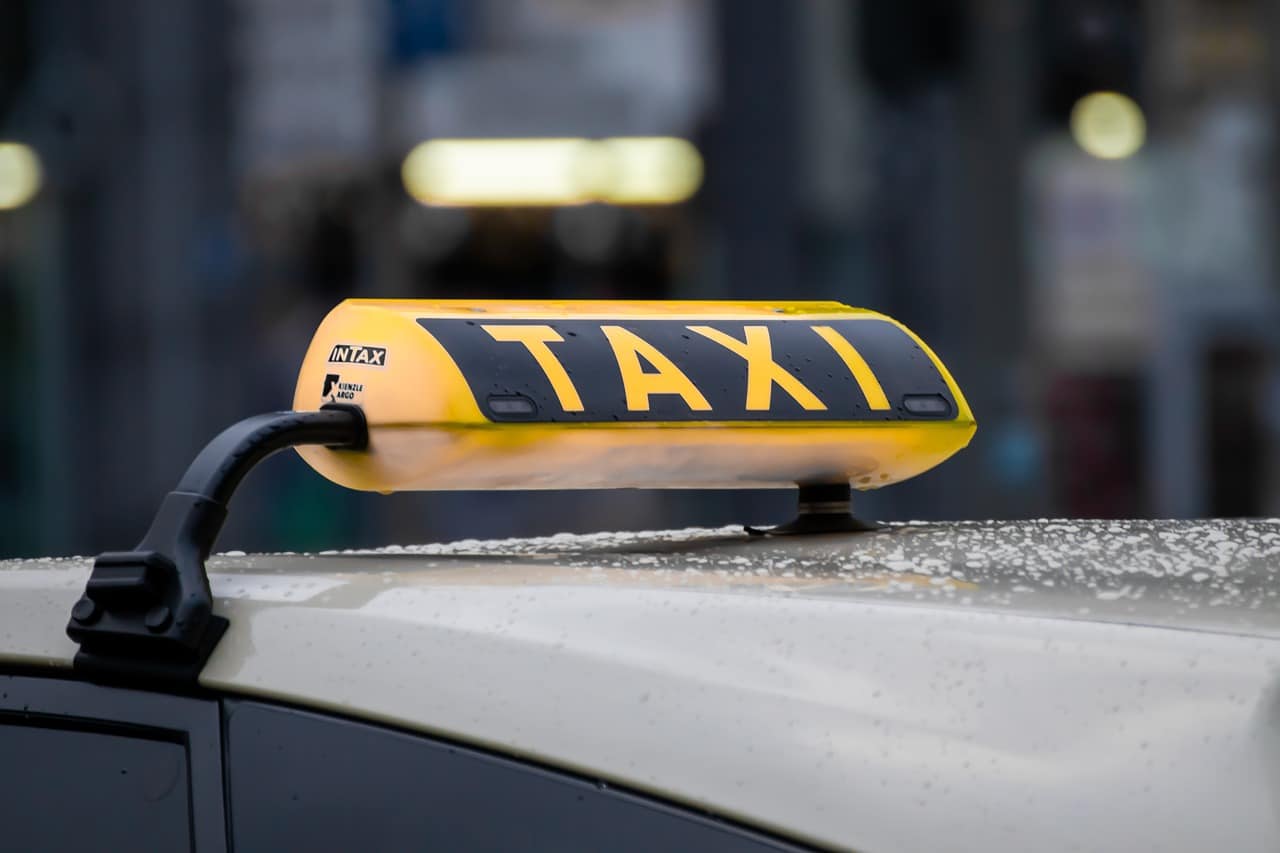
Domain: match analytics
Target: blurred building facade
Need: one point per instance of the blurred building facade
(216, 175)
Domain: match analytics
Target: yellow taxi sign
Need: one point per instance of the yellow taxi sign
(600, 394)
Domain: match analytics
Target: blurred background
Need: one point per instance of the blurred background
(1075, 203)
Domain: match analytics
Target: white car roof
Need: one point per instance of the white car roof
(1030, 685)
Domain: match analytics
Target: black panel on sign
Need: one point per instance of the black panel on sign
(500, 370)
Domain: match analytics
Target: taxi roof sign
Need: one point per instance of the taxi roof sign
(602, 394)
(402, 394)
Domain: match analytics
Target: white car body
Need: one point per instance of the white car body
(998, 686)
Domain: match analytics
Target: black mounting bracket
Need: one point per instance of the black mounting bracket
(823, 508)
(148, 613)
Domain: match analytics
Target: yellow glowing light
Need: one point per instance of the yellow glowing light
(499, 172)
(1108, 125)
(552, 172)
(20, 175)
(651, 170)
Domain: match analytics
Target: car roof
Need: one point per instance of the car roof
(987, 679)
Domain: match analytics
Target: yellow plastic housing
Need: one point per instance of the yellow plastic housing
(603, 394)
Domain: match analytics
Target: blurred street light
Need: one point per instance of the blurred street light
(1108, 125)
(20, 175)
(647, 170)
(552, 172)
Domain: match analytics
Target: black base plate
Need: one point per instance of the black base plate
(823, 508)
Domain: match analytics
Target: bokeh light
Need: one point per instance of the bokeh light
(651, 170)
(20, 175)
(552, 172)
(1108, 125)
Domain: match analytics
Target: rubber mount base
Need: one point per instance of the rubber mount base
(112, 668)
(822, 509)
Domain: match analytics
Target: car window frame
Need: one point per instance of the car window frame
(200, 721)
(520, 772)
(194, 722)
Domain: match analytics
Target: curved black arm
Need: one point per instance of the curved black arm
(218, 470)
(148, 612)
